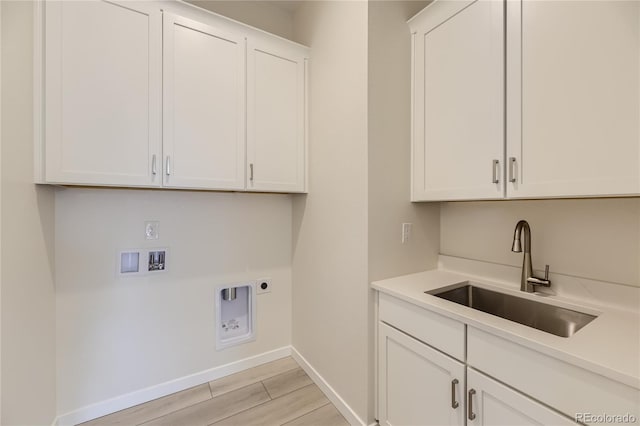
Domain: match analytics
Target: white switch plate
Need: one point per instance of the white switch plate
(152, 229)
(261, 283)
(406, 232)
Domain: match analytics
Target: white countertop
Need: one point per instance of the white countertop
(609, 345)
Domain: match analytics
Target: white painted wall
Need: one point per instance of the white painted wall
(118, 335)
(259, 14)
(28, 317)
(591, 238)
(330, 270)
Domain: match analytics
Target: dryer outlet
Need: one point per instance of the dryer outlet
(264, 285)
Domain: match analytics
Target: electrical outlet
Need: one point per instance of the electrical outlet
(406, 232)
(152, 229)
(263, 285)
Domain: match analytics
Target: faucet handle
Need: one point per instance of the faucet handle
(544, 282)
(546, 272)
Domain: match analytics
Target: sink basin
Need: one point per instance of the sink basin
(552, 319)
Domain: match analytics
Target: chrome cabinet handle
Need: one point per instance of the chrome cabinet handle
(512, 163)
(470, 414)
(168, 165)
(454, 403)
(496, 178)
(251, 172)
(153, 165)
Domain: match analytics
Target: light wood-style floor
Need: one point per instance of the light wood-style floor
(276, 393)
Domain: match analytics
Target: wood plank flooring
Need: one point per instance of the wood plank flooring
(276, 393)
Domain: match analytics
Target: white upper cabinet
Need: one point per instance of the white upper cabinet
(458, 101)
(103, 93)
(573, 91)
(572, 101)
(275, 116)
(164, 94)
(204, 106)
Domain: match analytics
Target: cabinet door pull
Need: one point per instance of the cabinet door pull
(454, 403)
(168, 165)
(512, 163)
(153, 165)
(496, 178)
(251, 172)
(470, 414)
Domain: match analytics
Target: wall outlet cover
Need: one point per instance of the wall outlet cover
(263, 285)
(142, 261)
(406, 232)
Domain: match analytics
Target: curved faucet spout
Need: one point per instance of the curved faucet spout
(522, 226)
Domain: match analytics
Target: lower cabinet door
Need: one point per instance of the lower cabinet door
(492, 403)
(418, 385)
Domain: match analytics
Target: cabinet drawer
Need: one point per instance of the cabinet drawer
(436, 330)
(567, 388)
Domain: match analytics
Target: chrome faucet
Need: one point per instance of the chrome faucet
(528, 281)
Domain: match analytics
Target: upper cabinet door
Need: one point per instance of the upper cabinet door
(276, 84)
(103, 93)
(573, 98)
(458, 105)
(204, 106)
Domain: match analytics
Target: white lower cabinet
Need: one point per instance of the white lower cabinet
(568, 388)
(424, 380)
(492, 403)
(418, 385)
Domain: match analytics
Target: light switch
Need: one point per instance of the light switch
(406, 232)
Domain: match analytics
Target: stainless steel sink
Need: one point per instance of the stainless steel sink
(552, 319)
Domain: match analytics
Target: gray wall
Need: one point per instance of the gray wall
(28, 303)
(330, 272)
(592, 238)
(119, 335)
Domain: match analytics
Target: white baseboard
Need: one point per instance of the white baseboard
(330, 393)
(122, 402)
